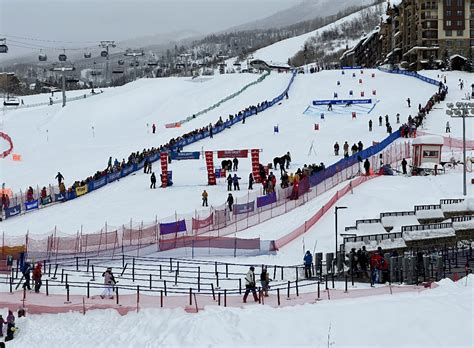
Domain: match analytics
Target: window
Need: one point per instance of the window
(448, 13)
(460, 3)
(448, 23)
(459, 23)
(449, 33)
(448, 3)
(459, 13)
(430, 154)
(459, 32)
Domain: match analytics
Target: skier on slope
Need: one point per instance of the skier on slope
(109, 282)
(230, 201)
(370, 125)
(60, 178)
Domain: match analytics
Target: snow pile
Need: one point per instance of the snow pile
(414, 314)
(427, 234)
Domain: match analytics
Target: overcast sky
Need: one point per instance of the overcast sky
(95, 20)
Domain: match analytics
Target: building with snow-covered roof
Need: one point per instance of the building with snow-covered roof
(427, 150)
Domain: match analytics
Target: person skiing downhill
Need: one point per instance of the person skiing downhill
(60, 178)
(230, 201)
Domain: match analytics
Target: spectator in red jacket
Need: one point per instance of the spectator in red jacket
(375, 267)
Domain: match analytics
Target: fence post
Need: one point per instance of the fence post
(225, 297)
(278, 296)
(217, 280)
(133, 270)
(164, 285)
(288, 291)
(117, 294)
(160, 271)
(213, 293)
(150, 282)
(190, 296)
(47, 287)
(199, 279)
(93, 274)
(88, 290)
(161, 298)
(176, 278)
(240, 286)
(77, 264)
(87, 266)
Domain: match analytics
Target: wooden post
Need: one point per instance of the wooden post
(138, 294)
(297, 289)
(213, 293)
(160, 272)
(166, 293)
(93, 274)
(227, 271)
(88, 290)
(278, 296)
(67, 292)
(62, 275)
(281, 273)
(190, 296)
(177, 267)
(217, 280)
(161, 298)
(47, 287)
(176, 278)
(150, 282)
(240, 286)
(288, 292)
(77, 264)
(88, 265)
(117, 294)
(225, 297)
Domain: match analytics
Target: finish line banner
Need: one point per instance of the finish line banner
(342, 101)
(233, 153)
(185, 155)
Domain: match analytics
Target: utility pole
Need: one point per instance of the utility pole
(462, 109)
(106, 44)
(63, 69)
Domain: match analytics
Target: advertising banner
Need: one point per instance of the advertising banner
(31, 205)
(173, 227)
(232, 153)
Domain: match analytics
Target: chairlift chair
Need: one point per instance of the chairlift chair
(72, 79)
(103, 54)
(121, 62)
(118, 71)
(62, 57)
(87, 55)
(42, 57)
(3, 46)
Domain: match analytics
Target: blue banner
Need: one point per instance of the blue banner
(13, 211)
(125, 171)
(99, 183)
(113, 176)
(266, 200)
(31, 205)
(173, 227)
(342, 101)
(59, 197)
(185, 155)
(244, 208)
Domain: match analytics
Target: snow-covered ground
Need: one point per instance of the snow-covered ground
(403, 320)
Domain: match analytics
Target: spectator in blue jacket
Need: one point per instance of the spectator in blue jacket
(235, 180)
(308, 262)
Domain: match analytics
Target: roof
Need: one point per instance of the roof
(428, 140)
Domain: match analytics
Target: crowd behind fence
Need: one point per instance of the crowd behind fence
(21, 203)
(188, 230)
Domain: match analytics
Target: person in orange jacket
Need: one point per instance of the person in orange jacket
(37, 274)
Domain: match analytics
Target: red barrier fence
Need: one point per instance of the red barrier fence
(219, 222)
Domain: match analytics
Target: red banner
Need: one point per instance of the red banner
(198, 224)
(173, 125)
(164, 169)
(233, 153)
(255, 164)
(10, 145)
(211, 176)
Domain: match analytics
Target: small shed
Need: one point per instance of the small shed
(427, 150)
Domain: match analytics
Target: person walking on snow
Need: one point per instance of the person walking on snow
(448, 127)
(109, 282)
(204, 198)
(37, 274)
(153, 181)
(336, 149)
(229, 182)
(370, 125)
(265, 281)
(235, 161)
(250, 284)
(230, 201)
(398, 118)
(345, 147)
(308, 262)
(409, 102)
(404, 166)
(26, 274)
(60, 178)
(251, 181)
(153, 128)
(367, 167)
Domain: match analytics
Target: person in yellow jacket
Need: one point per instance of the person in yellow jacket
(204, 198)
